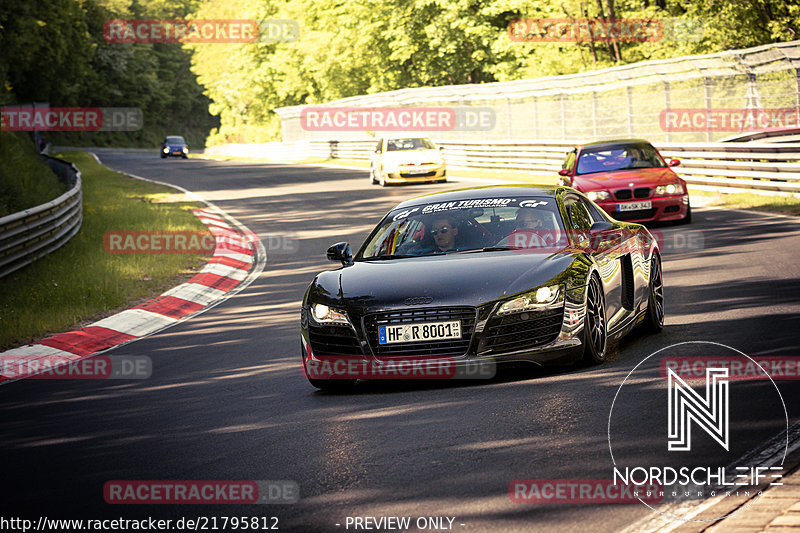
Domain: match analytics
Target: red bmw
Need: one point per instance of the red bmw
(629, 179)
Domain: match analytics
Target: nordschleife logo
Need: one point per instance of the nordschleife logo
(685, 406)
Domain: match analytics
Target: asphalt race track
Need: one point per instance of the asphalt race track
(227, 399)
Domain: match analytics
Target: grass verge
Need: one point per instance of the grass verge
(81, 282)
(786, 205)
(25, 179)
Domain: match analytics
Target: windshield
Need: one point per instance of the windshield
(475, 225)
(175, 140)
(396, 145)
(619, 158)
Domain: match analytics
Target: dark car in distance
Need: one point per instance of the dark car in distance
(629, 179)
(174, 146)
(505, 273)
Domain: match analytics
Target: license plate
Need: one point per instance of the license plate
(634, 206)
(417, 171)
(425, 331)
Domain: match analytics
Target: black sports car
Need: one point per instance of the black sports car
(522, 273)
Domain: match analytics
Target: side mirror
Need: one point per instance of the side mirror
(441, 148)
(341, 252)
(564, 172)
(601, 226)
(674, 162)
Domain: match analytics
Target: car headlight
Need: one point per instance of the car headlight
(185, 149)
(597, 196)
(538, 299)
(165, 150)
(322, 314)
(669, 190)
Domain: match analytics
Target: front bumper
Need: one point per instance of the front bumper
(410, 175)
(359, 358)
(664, 208)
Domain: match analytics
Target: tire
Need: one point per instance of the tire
(381, 179)
(595, 333)
(184, 157)
(688, 218)
(372, 180)
(654, 318)
(333, 385)
(163, 156)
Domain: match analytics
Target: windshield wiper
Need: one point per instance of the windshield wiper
(487, 249)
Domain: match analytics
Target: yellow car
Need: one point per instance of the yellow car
(406, 160)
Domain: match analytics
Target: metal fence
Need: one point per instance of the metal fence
(726, 167)
(617, 102)
(30, 234)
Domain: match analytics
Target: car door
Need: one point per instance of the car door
(604, 247)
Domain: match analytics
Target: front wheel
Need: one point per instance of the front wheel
(654, 320)
(594, 324)
(382, 178)
(688, 218)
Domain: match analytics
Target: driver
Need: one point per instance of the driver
(529, 218)
(444, 231)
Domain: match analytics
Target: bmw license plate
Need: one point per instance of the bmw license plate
(634, 206)
(425, 331)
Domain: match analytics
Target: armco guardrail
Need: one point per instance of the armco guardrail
(30, 234)
(726, 167)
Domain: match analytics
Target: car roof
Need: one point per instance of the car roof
(488, 191)
(615, 143)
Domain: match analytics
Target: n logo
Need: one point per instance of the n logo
(684, 405)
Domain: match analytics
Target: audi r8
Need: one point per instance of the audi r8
(629, 179)
(406, 160)
(523, 273)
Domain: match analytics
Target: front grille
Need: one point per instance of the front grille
(425, 175)
(333, 340)
(522, 331)
(641, 214)
(641, 192)
(454, 347)
(623, 194)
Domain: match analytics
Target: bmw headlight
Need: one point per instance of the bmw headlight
(185, 149)
(322, 314)
(165, 150)
(669, 190)
(598, 196)
(539, 299)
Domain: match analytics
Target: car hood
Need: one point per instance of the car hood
(411, 157)
(621, 179)
(455, 279)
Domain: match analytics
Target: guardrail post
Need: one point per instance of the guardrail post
(535, 118)
(594, 114)
(707, 100)
(629, 92)
(333, 149)
(666, 110)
